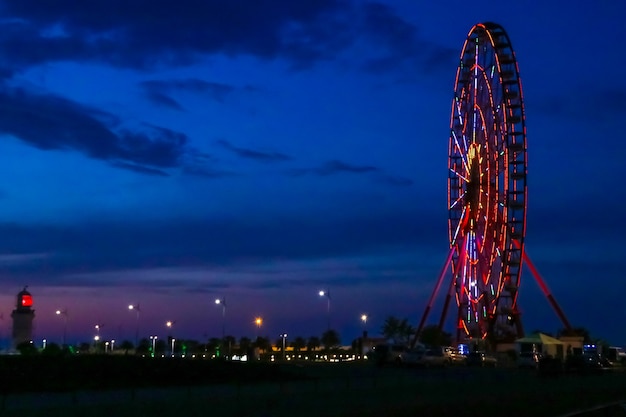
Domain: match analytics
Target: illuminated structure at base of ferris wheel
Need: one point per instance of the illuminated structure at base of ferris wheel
(487, 194)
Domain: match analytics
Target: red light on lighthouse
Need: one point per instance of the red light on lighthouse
(27, 300)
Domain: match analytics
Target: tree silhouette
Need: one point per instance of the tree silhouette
(399, 331)
(263, 344)
(244, 345)
(330, 339)
(126, 345)
(432, 335)
(298, 344)
(313, 343)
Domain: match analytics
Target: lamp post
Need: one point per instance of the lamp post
(258, 321)
(64, 314)
(112, 345)
(136, 308)
(222, 302)
(170, 325)
(364, 320)
(284, 337)
(98, 327)
(153, 340)
(326, 293)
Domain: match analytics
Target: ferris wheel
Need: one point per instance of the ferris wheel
(487, 193)
(487, 185)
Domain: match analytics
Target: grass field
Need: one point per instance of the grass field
(349, 389)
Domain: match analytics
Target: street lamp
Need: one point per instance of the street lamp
(222, 302)
(258, 321)
(153, 340)
(112, 345)
(364, 320)
(64, 314)
(326, 293)
(136, 308)
(169, 325)
(284, 337)
(96, 339)
(98, 327)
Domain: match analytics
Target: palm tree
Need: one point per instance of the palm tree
(399, 331)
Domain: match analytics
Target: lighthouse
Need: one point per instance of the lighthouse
(23, 316)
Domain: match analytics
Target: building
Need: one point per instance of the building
(23, 316)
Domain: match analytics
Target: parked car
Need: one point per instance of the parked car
(384, 354)
(528, 360)
(481, 359)
(435, 357)
(583, 364)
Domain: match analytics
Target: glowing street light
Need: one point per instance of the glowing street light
(258, 321)
(364, 320)
(326, 293)
(136, 308)
(64, 314)
(222, 302)
(153, 340)
(170, 325)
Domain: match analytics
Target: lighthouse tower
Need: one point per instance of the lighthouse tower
(23, 316)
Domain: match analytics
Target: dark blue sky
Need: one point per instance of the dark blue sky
(170, 152)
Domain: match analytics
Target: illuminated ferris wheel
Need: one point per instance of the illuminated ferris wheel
(487, 194)
(487, 185)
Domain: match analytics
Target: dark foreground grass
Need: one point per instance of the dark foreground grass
(346, 390)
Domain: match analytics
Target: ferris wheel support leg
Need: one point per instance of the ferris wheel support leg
(546, 291)
(446, 305)
(433, 296)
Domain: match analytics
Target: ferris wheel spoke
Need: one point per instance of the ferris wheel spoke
(458, 226)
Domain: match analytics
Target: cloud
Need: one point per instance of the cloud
(401, 43)
(398, 181)
(253, 154)
(101, 245)
(335, 167)
(146, 32)
(49, 122)
(149, 33)
(140, 169)
(159, 91)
